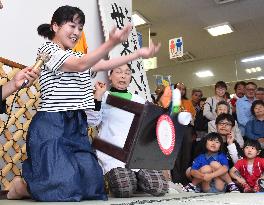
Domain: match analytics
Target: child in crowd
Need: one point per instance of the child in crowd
(114, 125)
(224, 124)
(224, 107)
(61, 165)
(249, 172)
(255, 128)
(210, 169)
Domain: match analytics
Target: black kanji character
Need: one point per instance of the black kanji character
(125, 51)
(118, 16)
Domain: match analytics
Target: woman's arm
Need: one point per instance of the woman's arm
(94, 59)
(75, 64)
(145, 52)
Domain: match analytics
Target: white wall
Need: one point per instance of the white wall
(19, 21)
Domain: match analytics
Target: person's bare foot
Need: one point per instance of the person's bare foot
(18, 189)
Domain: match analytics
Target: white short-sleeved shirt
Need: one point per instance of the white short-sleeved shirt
(59, 90)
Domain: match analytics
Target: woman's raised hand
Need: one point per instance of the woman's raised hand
(148, 52)
(117, 36)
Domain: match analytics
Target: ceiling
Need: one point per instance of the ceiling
(222, 54)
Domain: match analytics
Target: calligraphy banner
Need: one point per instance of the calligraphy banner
(118, 13)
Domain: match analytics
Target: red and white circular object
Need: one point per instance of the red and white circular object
(165, 134)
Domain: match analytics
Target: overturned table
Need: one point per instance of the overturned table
(142, 150)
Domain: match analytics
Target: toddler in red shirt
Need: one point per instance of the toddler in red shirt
(249, 172)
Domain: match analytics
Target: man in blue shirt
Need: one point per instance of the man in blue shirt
(243, 106)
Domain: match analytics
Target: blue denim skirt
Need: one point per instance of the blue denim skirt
(61, 165)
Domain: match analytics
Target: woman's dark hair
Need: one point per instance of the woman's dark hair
(221, 84)
(61, 16)
(212, 136)
(252, 143)
(225, 116)
(254, 104)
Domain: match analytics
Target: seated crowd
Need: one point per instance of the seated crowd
(221, 149)
(223, 145)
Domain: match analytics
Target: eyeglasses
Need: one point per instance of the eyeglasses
(225, 124)
(119, 72)
(250, 89)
